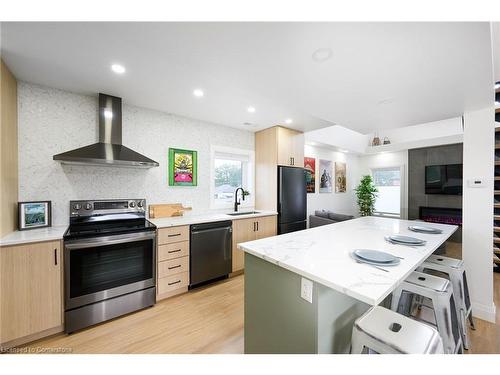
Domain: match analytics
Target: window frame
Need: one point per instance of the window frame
(248, 157)
(401, 190)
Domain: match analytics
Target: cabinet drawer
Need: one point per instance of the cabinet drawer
(173, 250)
(174, 234)
(170, 283)
(173, 267)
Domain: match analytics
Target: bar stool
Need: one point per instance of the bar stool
(439, 291)
(387, 332)
(455, 271)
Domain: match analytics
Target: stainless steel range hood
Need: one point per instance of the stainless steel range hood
(109, 150)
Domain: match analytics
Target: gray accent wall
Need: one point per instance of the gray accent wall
(417, 160)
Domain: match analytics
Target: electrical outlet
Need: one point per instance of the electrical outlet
(306, 290)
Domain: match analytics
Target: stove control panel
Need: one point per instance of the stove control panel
(104, 207)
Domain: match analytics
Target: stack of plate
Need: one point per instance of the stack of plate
(375, 257)
(424, 229)
(404, 240)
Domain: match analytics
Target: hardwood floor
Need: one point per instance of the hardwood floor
(208, 320)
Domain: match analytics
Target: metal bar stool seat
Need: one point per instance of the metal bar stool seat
(454, 270)
(440, 293)
(387, 332)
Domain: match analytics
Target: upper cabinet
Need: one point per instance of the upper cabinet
(290, 147)
(274, 146)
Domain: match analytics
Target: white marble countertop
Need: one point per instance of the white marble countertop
(206, 218)
(322, 254)
(34, 235)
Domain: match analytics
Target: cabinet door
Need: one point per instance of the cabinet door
(266, 227)
(31, 290)
(298, 149)
(285, 146)
(243, 231)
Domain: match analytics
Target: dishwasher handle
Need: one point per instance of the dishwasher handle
(201, 231)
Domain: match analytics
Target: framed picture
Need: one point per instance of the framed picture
(182, 167)
(340, 177)
(310, 168)
(325, 176)
(34, 214)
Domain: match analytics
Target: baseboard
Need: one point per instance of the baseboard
(33, 337)
(484, 312)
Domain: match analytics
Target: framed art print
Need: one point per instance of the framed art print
(340, 177)
(34, 214)
(325, 176)
(310, 169)
(182, 167)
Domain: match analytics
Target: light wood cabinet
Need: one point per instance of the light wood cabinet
(248, 230)
(266, 227)
(274, 146)
(31, 290)
(173, 261)
(290, 147)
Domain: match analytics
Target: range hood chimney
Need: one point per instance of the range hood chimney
(109, 150)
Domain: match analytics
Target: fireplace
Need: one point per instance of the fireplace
(442, 215)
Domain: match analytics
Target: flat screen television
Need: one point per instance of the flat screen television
(443, 179)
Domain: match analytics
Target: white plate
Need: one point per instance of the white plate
(378, 264)
(422, 229)
(375, 256)
(406, 239)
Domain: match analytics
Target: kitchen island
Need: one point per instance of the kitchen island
(279, 320)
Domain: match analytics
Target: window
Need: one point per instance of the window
(388, 183)
(231, 169)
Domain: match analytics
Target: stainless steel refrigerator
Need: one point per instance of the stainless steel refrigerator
(292, 202)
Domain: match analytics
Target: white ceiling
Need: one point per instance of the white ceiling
(380, 75)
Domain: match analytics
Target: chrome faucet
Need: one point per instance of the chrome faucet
(236, 201)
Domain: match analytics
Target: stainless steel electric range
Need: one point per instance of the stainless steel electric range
(109, 261)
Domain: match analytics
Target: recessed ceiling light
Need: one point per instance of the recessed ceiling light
(198, 93)
(344, 151)
(108, 113)
(322, 54)
(251, 109)
(118, 69)
(288, 121)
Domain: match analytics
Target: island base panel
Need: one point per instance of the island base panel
(278, 320)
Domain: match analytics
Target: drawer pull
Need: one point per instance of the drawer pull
(175, 282)
(177, 266)
(173, 235)
(174, 251)
(55, 257)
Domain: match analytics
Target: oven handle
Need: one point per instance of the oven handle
(108, 240)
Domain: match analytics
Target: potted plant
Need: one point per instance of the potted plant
(366, 194)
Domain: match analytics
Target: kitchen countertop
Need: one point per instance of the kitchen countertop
(206, 218)
(34, 235)
(56, 233)
(322, 254)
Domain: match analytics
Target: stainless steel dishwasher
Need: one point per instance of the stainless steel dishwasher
(210, 252)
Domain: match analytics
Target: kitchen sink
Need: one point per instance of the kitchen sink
(243, 213)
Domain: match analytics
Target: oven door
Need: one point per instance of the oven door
(105, 267)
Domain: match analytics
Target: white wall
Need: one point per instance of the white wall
(385, 160)
(477, 226)
(344, 203)
(339, 137)
(53, 121)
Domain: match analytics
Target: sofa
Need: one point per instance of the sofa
(324, 217)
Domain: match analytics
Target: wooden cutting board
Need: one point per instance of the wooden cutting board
(166, 210)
